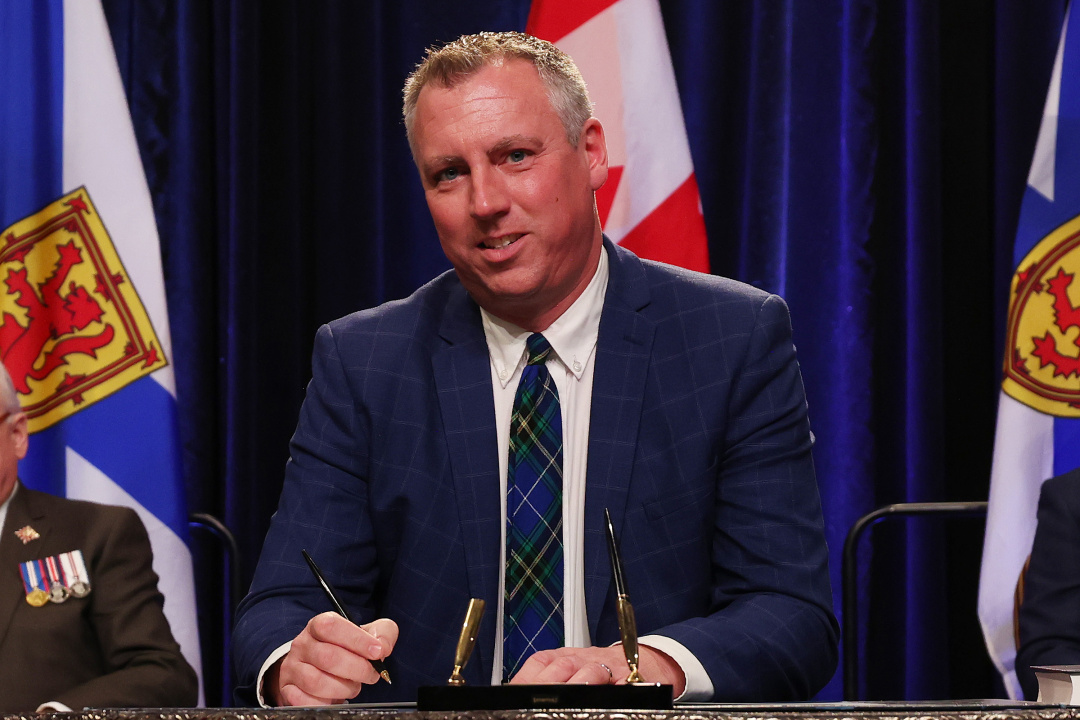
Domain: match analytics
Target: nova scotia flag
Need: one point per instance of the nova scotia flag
(1038, 422)
(101, 398)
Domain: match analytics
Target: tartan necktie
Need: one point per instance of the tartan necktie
(533, 607)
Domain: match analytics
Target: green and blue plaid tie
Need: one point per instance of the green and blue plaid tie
(533, 609)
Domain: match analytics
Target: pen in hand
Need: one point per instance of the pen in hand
(340, 609)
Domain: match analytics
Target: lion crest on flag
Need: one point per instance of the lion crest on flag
(72, 327)
(1042, 367)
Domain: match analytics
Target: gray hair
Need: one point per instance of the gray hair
(9, 399)
(454, 62)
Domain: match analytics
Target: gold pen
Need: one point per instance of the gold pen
(467, 639)
(377, 664)
(623, 608)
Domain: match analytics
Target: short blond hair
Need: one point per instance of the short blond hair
(450, 64)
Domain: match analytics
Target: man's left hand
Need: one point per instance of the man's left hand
(599, 666)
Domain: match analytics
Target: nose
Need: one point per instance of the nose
(490, 196)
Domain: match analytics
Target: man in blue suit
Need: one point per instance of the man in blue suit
(683, 413)
(1049, 617)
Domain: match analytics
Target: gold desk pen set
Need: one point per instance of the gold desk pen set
(635, 695)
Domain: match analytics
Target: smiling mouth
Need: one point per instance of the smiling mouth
(500, 242)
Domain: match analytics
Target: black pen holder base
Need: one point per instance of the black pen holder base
(642, 696)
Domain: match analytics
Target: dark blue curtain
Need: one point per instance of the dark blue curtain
(863, 158)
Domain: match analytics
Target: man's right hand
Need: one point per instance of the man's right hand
(329, 661)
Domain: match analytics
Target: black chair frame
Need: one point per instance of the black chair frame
(231, 591)
(849, 571)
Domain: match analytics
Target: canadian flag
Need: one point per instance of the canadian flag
(650, 202)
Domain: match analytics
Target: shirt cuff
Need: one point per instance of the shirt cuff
(53, 706)
(274, 657)
(699, 687)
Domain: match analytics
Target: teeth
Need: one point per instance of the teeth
(502, 242)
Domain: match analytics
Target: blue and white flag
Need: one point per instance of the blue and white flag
(1038, 423)
(84, 329)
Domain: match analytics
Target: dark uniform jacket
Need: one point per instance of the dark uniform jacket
(111, 648)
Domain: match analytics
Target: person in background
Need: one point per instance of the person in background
(550, 376)
(1049, 616)
(81, 621)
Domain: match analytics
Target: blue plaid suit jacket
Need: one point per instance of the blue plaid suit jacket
(699, 445)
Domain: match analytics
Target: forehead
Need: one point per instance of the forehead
(502, 98)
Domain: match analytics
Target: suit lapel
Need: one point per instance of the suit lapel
(22, 511)
(623, 351)
(461, 368)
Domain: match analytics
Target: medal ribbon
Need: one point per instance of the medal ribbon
(80, 567)
(56, 574)
(69, 569)
(30, 577)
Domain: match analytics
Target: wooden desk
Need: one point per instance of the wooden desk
(958, 710)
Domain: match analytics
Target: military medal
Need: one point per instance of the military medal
(75, 571)
(32, 582)
(58, 591)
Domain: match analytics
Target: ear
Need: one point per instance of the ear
(594, 146)
(20, 435)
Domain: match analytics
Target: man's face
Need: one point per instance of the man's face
(13, 444)
(512, 200)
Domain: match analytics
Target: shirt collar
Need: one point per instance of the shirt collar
(572, 336)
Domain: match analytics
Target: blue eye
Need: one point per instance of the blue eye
(516, 156)
(448, 174)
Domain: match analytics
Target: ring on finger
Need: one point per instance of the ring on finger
(610, 676)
